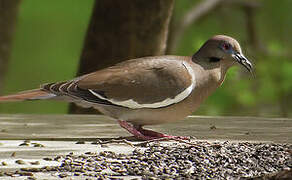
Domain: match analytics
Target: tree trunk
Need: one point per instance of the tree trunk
(121, 30)
(8, 13)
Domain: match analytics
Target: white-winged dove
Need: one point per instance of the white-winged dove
(149, 90)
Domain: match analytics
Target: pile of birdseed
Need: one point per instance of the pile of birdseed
(201, 160)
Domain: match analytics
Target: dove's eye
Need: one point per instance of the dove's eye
(226, 46)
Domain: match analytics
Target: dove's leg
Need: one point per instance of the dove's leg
(145, 134)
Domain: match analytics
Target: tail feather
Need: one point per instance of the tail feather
(27, 95)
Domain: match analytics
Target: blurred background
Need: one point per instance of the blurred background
(49, 34)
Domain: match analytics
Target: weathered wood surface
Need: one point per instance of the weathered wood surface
(59, 134)
(91, 127)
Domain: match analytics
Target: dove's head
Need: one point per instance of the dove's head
(222, 51)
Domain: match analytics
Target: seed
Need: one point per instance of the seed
(20, 162)
(35, 163)
(25, 173)
(80, 142)
(31, 178)
(38, 145)
(77, 174)
(47, 159)
(63, 175)
(24, 144)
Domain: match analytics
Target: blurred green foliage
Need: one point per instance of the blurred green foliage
(47, 45)
(270, 92)
(49, 36)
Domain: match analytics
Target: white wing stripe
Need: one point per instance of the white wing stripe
(134, 105)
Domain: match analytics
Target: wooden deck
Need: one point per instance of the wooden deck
(59, 134)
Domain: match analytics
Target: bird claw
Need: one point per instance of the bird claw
(145, 134)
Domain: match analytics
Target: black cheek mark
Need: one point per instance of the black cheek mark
(214, 59)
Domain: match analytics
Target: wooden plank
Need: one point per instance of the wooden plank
(91, 127)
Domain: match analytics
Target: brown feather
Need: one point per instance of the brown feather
(27, 95)
(145, 80)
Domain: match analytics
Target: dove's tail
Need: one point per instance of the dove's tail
(34, 94)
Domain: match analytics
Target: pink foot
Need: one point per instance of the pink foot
(145, 134)
(156, 135)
